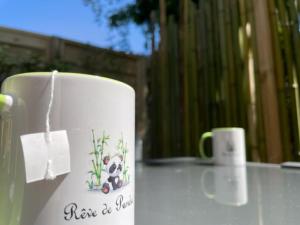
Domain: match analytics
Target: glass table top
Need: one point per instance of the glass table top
(192, 193)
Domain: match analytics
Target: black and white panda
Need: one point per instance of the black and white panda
(113, 170)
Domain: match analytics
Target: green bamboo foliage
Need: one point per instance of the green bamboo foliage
(208, 75)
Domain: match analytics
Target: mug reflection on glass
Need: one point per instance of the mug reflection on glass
(230, 185)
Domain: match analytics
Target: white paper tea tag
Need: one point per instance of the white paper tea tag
(40, 154)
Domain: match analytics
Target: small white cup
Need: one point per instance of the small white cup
(228, 146)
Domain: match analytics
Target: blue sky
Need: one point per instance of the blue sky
(69, 19)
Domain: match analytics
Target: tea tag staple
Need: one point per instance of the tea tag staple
(46, 155)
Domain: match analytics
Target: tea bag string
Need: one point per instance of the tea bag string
(49, 172)
(48, 135)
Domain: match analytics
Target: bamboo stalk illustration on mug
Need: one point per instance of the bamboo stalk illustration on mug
(97, 162)
(123, 150)
(108, 172)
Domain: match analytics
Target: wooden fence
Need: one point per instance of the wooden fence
(228, 63)
(21, 47)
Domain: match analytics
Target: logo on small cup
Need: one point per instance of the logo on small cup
(229, 147)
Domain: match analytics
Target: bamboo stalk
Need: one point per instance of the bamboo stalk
(252, 151)
(192, 74)
(267, 80)
(294, 114)
(225, 72)
(204, 66)
(280, 79)
(230, 62)
(241, 75)
(256, 99)
(217, 63)
(164, 84)
(184, 72)
(175, 127)
(294, 10)
(206, 76)
(210, 76)
(200, 69)
(155, 129)
(294, 29)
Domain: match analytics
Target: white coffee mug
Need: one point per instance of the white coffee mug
(228, 146)
(98, 115)
(230, 185)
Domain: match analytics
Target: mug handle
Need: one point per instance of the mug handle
(201, 143)
(208, 194)
(6, 102)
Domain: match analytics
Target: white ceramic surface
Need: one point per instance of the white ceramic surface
(228, 146)
(83, 105)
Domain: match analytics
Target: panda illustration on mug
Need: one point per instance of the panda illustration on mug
(113, 170)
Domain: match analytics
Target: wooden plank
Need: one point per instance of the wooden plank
(108, 52)
(102, 60)
(24, 39)
(98, 60)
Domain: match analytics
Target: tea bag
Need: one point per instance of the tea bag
(45, 160)
(46, 155)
